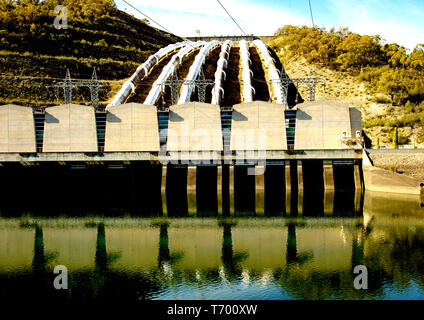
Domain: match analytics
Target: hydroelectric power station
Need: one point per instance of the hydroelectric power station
(205, 128)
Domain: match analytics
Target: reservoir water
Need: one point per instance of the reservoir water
(307, 255)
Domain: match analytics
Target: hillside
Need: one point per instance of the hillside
(383, 80)
(34, 55)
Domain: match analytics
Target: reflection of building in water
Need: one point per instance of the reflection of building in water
(287, 188)
(101, 253)
(291, 253)
(311, 251)
(39, 261)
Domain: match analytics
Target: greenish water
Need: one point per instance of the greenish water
(284, 257)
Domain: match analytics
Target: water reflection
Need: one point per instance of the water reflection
(303, 257)
(38, 263)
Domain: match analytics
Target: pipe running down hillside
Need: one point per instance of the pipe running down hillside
(142, 71)
(168, 70)
(195, 70)
(248, 90)
(220, 75)
(273, 72)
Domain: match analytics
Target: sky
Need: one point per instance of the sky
(400, 21)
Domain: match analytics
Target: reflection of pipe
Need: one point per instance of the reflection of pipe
(218, 91)
(38, 262)
(291, 253)
(246, 74)
(227, 247)
(168, 70)
(164, 255)
(273, 72)
(195, 70)
(101, 253)
(142, 71)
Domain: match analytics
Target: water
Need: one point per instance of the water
(307, 256)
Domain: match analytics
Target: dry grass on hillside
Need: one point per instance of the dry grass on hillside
(347, 88)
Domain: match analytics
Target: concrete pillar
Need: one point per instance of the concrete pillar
(260, 191)
(357, 175)
(328, 202)
(219, 188)
(299, 188)
(191, 190)
(358, 198)
(358, 188)
(288, 187)
(163, 190)
(328, 173)
(231, 187)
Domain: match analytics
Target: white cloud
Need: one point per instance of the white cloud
(184, 17)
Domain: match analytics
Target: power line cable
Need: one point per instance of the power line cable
(145, 15)
(231, 17)
(312, 16)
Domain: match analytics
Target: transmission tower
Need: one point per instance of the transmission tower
(200, 83)
(311, 83)
(68, 85)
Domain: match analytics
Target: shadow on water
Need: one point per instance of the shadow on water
(79, 189)
(135, 190)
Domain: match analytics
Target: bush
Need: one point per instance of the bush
(392, 168)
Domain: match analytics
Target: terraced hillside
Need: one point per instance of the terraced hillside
(34, 55)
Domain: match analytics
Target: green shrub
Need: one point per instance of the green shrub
(392, 168)
(395, 142)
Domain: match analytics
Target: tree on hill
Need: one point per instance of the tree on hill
(388, 68)
(23, 13)
(395, 139)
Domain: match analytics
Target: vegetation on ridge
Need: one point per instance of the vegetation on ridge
(34, 54)
(393, 77)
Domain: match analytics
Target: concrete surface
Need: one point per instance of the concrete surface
(132, 127)
(320, 124)
(151, 156)
(408, 163)
(194, 126)
(17, 131)
(381, 180)
(258, 125)
(70, 128)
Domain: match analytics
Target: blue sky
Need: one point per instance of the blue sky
(400, 21)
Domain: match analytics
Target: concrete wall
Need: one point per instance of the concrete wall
(132, 127)
(17, 131)
(355, 120)
(408, 161)
(320, 124)
(377, 179)
(70, 128)
(195, 126)
(258, 125)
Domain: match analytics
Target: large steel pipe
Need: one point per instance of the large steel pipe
(142, 71)
(168, 70)
(246, 74)
(273, 72)
(195, 70)
(220, 75)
